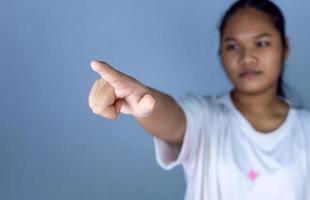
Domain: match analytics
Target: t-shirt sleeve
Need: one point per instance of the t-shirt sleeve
(169, 155)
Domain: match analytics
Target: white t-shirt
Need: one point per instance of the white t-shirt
(225, 158)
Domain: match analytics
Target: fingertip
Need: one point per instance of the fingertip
(93, 60)
(99, 66)
(93, 65)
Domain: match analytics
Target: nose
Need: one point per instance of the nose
(247, 56)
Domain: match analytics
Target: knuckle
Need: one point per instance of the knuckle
(95, 110)
(104, 112)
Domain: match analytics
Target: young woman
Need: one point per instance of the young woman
(250, 143)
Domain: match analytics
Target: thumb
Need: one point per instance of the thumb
(146, 105)
(109, 74)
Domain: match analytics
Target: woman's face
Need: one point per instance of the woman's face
(252, 52)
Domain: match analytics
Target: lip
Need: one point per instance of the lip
(250, 74)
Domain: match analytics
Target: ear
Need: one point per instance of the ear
(287, 50)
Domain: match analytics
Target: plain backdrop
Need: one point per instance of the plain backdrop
(52, 146)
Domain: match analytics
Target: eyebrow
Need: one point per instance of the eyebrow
(231, 38)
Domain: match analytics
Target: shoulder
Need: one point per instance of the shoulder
(303, 118)
(211, 103)
(303, 115)
(194, 100)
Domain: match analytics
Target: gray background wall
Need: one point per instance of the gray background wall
(51, 145)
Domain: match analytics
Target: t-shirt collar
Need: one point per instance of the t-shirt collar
(245, 125)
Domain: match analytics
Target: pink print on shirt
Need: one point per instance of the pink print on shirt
(253, 174)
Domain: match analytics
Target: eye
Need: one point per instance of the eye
(262, 44)
(231, 47)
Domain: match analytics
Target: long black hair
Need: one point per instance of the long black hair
(276, 17)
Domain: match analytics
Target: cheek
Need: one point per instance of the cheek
(273, 63)
(229, 62)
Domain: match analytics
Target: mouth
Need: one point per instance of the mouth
(250, 74)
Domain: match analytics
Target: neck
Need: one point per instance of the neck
(258, 103)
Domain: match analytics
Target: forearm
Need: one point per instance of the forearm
(167, 121)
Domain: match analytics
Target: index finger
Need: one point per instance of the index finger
(108, 73)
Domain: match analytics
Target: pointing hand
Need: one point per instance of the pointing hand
(115, 92)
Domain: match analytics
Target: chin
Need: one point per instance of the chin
(250, 90)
